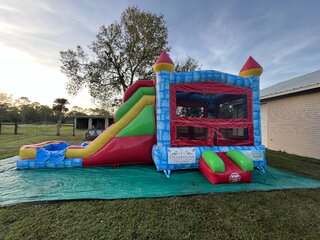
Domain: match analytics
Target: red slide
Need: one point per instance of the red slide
(232, 174)
(123, 150)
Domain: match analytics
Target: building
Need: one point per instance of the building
(92, 122)
(290, 116)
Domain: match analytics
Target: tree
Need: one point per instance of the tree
(59, 106)
(76, 112)
(46, 114)
(5, 98)
(5, 104)
(22, 101)
(122, 52)
(187, 65)
(77, 109)
(23, 104)
(98, 111)
(13, 114)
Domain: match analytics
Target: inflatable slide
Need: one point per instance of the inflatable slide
(129, 140)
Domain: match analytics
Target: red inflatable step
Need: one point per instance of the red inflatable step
(232, 174)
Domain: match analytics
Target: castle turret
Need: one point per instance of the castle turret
(251, 68)
(164, 63)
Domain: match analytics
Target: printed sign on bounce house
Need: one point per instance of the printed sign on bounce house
(181, 155)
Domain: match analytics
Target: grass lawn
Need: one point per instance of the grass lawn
(290, 214)
(37, 129)
(30, 134)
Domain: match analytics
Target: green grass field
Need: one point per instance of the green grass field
(290, 214)
(31, 133)
(37, 129)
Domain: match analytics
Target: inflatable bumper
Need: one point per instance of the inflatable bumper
(224, 171)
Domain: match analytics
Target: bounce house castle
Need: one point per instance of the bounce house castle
(206, 120)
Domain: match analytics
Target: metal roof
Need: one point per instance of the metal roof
(302, 83)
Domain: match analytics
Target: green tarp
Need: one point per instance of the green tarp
(133, 181)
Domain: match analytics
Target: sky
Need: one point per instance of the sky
(283, 36)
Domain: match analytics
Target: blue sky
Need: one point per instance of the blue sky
(283, 36)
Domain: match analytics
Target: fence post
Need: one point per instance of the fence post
(73, 129)
(15, 128)
(58, 128)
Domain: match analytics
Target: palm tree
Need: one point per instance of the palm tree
(59, 106)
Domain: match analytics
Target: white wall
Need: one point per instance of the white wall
(292, 124)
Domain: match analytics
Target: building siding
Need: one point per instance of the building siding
(264, 124)
(292, 124)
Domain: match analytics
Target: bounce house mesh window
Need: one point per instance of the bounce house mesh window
(211, 105)
(210, 114)
(234, 133)
(183, 111)
(234, 136)
(191, 133)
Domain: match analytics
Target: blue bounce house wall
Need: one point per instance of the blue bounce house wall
(160, 151)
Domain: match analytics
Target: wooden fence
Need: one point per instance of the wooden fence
(37, 129)
(15, 127)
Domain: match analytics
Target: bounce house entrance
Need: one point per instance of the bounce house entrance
(211, 114)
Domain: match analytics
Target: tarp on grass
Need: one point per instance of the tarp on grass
(134, 181)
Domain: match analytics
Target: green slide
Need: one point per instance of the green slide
(142, 125)
(124, 108)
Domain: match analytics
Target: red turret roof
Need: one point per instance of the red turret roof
(250, 64)
(164, 58)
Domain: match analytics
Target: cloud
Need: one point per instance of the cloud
(282, 36)
(31, 35)
(4, 7)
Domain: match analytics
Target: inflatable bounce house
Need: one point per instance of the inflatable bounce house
(206, 120)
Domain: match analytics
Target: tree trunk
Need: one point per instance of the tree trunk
(15, 128)
(58, 128)
(74, 127)
(59, 125)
